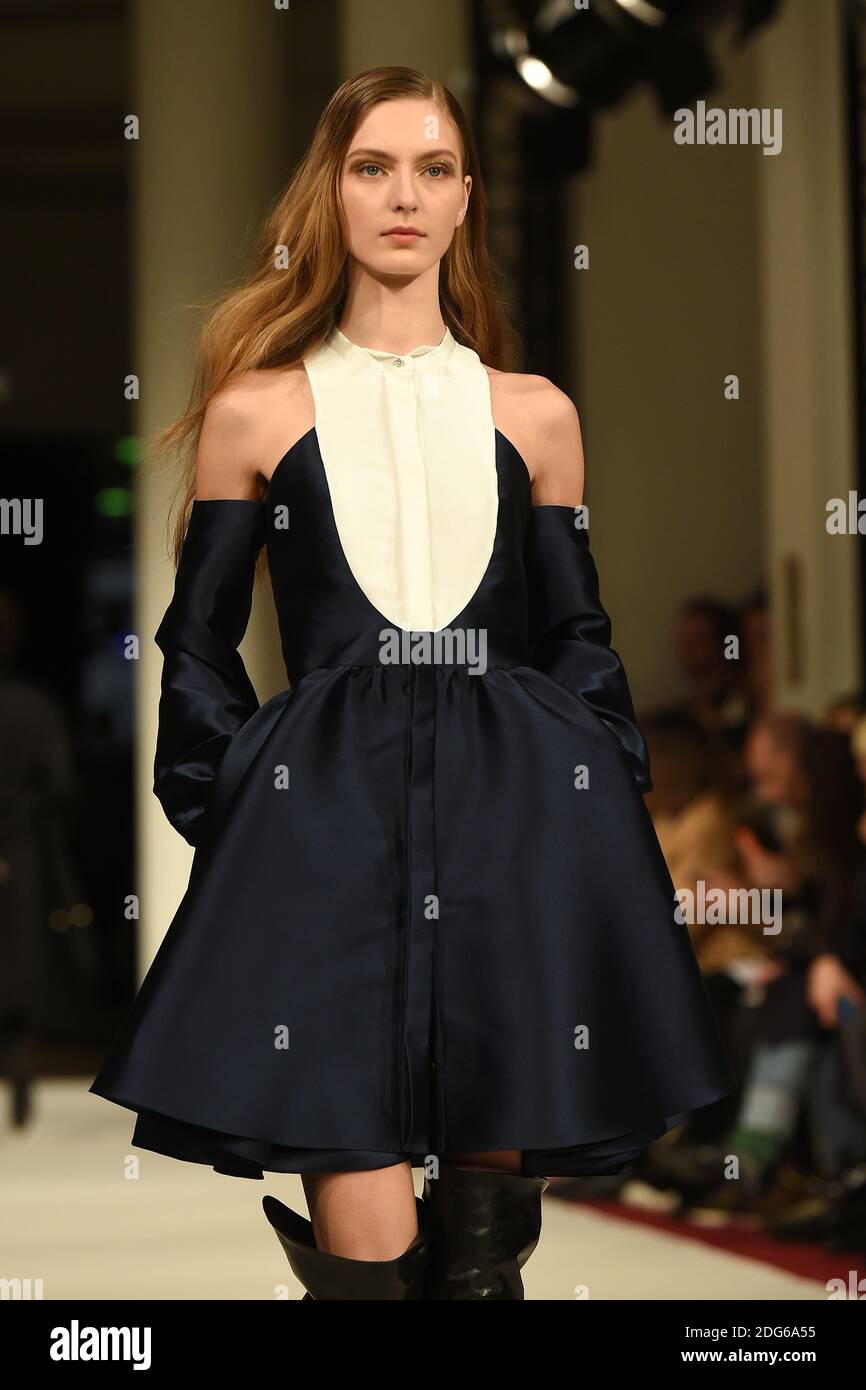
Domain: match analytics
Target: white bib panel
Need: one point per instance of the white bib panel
(409, 450)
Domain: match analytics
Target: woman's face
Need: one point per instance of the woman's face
(402, 169)
(773, 769)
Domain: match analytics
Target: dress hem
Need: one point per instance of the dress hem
(239, 1156)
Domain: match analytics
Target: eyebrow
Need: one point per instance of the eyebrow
(383, 154)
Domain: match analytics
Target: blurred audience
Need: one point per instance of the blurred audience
(36, 780)
(707, 651)
(693, 804)
(755, 654)
(844, 713)
(755, 806)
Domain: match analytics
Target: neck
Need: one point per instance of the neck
(393, 319)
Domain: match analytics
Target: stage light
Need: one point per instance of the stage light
(593, 56)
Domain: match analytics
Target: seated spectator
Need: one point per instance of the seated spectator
(817, 973)
(755, 655)
(702, 633)
(843, 713)
(694, 814)
(857, 745)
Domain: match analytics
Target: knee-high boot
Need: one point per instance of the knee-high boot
(483, 1226)
(328, 1276)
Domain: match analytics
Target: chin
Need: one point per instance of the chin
(401, 257)
(407, 248)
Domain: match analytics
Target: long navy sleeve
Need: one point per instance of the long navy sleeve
(206, 694)
(570, 631)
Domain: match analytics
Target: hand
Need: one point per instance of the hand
(827, 981)
(763, 971)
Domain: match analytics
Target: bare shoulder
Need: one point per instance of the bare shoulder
(245, 431)
(543, 425)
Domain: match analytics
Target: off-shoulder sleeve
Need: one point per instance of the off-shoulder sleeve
(570, 631)
(206, 694)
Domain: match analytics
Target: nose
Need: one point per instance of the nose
(403, 192)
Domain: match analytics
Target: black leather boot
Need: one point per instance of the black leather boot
(327, 1276)
(484, 1226)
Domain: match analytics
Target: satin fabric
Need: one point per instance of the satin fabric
(464, 943)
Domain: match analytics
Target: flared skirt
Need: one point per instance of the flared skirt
(427, 914)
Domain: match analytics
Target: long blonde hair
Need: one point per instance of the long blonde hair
(273, 319)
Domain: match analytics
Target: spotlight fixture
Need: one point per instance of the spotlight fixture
(572, 54)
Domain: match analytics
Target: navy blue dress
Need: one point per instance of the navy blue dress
(427, 912)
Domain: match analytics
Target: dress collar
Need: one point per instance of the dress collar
(354, 352)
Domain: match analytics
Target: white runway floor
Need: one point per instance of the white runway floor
(70, 1216)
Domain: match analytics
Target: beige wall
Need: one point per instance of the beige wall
(434, 38)
(808, 304)
(206, 164)
(667, 309)
(707, 261)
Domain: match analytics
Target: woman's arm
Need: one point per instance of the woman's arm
(206, 693)
(557, 449)
(570, 631)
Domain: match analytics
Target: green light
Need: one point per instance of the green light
(126, 450)
(114, 501)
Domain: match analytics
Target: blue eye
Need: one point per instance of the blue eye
(444, 166)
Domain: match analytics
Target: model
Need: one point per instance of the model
(428, 922)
